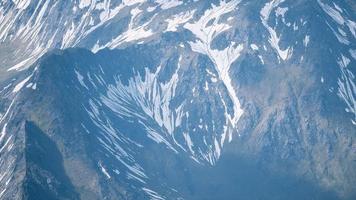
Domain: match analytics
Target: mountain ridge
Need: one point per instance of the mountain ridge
(176, 91)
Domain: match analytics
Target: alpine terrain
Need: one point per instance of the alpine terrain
(177, 99)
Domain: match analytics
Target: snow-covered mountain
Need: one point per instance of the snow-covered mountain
(172, 99)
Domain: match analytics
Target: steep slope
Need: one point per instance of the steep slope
(190, 93)
(91, 140)
(45, 176)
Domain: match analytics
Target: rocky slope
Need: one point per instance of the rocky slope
(177, 99)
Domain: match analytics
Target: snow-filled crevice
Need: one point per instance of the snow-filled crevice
(114, 143)
(347, 87)
(343, 28)
(36, 31)
(148, 100)
(8, 157)
(206, 32)
(134, 32)
(177, 20)
(274, 38)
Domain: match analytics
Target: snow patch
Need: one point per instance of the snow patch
(80, 79)
(206, 29)
(21, 4)
(20, 85)
(274, 38)
(306, 40)
(167, 4)
(206, 32)
(176, 20)
(152, 194)
(347, 87)
(105, 172)
(133, 33)
(146, 99)
(254, 47)
(151, 9)
(333, 13)
(353, 53)
(21, 64)
(84, 3)
(261, 59)
(188, 141)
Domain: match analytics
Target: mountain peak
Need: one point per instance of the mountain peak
(168, 99)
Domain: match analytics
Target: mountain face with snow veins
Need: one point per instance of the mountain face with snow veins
(177, 99)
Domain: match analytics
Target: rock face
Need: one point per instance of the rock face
(177, 99)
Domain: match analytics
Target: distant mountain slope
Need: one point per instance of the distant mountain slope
(177, 100)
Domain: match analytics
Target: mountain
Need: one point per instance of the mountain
(173, 99)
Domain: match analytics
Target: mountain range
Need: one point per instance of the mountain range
(177, 99)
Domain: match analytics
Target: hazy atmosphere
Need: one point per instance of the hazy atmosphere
(177, 99)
